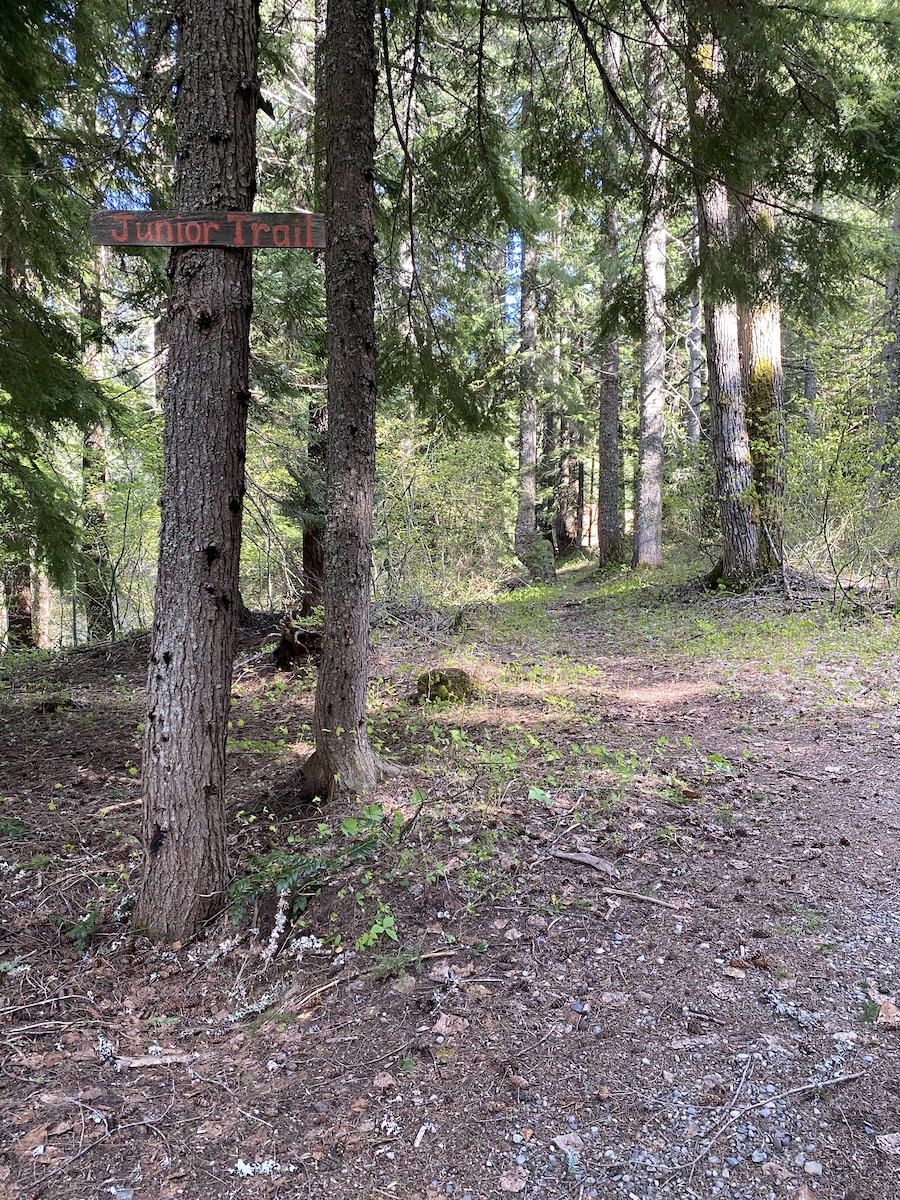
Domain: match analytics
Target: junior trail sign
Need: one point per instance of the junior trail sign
(248, 231)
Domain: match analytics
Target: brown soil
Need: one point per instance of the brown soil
(698, 1001)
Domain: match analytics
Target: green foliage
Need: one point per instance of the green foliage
(12, 827)
(301, 874)
(428, 484)
(383, 926)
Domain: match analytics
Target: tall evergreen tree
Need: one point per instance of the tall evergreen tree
(343, 761)
(647, 548)
(207, 393)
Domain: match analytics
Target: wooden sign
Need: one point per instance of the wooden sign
(252, 231)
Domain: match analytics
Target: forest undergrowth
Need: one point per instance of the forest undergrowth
(627, 924)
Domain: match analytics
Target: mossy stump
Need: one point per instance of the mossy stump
(536, 555)
(449, 684)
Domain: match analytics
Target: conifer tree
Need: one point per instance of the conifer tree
(647, 549)
(343, 761)
(207, 393)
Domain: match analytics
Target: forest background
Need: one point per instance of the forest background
(635, 306)
(636, 278)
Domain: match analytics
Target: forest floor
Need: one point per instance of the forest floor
(644, 891)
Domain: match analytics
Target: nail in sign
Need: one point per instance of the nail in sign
(249, 231)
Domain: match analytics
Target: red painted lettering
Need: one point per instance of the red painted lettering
(120, 235)
(238, 220)
(145, 233)
(207, 226)
(309, 230)
(258, 227)
(281, 235)
(164, 239)
(192, 232)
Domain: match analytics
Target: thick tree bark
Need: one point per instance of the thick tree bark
(17, 575)
(207, 392)
(731, 445)
(343, 761)
(647, 545)
(609, 483)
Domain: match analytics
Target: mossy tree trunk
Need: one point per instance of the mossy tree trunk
(764, 381)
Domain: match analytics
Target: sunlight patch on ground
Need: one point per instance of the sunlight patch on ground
(667, 693)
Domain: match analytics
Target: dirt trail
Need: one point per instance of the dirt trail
(716, 1018)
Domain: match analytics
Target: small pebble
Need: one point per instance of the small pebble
(812, 1168)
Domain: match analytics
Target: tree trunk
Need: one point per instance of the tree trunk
(766, 428)
(647, 546)
(727, 398)
(207, 393)
(41, 618)
(810, 394)
(19, 608)
(694, 346)
(887, 408)
(343, 761)
(526, 534)
(313, 554)
(549, 466)
(568, 499)
(17, 574)
(609, 464)
(764, 382)
(96, 573)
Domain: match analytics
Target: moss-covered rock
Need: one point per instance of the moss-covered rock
(444, 683)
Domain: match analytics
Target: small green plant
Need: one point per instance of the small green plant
(83, 931)
(403, 962)
(870, 1011)
(383, 926)
(370, 818)
(36, 862)
(717, 765)
(301, 874)
(158, 1021)
(12, 827)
